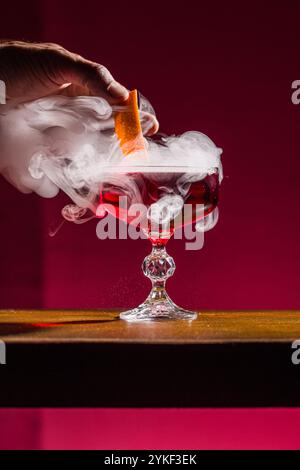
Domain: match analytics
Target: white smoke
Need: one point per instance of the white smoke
(69, 143)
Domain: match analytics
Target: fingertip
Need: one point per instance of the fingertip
(96, 78)
(154, 128)
(118, 91)
(149, 123)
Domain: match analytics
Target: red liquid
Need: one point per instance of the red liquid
(152, 187)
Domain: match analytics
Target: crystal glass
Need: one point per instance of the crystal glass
(164, 193)
(83, 157)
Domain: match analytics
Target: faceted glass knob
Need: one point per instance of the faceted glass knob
(158, 266)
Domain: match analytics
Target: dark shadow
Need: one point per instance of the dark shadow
(10, 329)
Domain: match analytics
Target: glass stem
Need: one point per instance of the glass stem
(158, 291)
(158, 267)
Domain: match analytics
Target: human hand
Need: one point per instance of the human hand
(32, 71)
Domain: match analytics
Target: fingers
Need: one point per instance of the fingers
(55, 68)
(89, 75)
(114, 88)
(149, 123)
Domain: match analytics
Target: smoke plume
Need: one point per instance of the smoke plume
(68, 143)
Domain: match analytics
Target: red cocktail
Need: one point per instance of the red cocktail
(161, 196)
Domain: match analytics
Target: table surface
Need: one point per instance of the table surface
(93, 359)
(41, 326)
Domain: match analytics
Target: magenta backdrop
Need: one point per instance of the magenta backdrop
(227, 71)
(220, 67)
(124, 428)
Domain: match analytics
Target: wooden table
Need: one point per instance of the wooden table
(91, 358)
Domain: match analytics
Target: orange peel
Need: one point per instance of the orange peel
(128, 126)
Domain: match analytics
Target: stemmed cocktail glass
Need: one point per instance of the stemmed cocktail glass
(168, 199)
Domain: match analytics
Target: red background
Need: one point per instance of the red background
(224, 68)
(124, 428)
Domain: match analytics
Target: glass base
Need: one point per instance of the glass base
(158, 267)
(157, 311)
